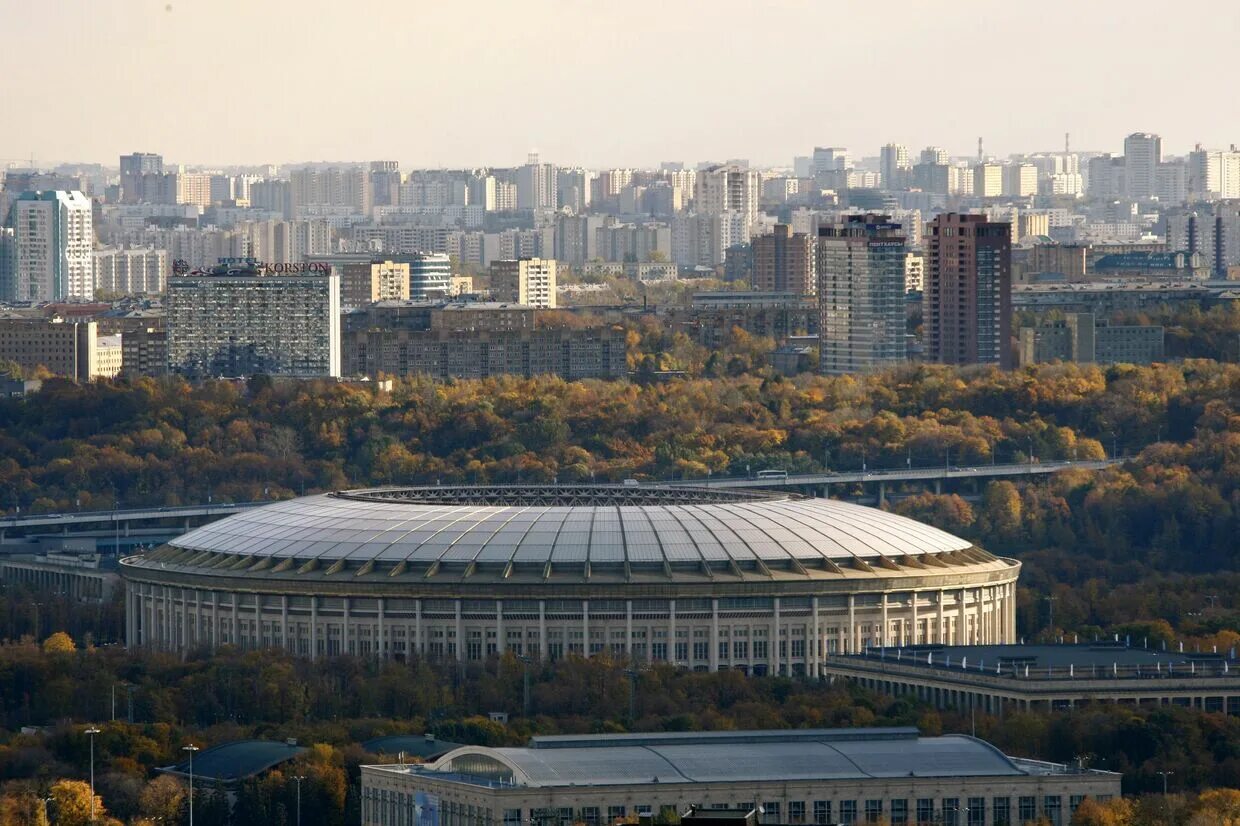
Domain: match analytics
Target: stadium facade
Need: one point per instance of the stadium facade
(705, 579)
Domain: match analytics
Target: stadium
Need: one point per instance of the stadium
(765, 583)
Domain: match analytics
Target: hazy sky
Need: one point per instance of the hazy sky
(605, 82)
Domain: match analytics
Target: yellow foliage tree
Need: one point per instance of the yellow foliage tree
(59, 643)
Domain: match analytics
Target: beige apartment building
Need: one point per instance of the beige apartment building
(529, 281)
(362, 284)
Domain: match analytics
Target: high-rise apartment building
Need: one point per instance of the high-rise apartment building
(784, 262)
(536, 184)
(64, 348)
(830, 159)
(1142, 155)
(860, 294)
(53, 237)
(385, 180)
(430, 274)
(246, 323)
(987, 180)
(1020, 180)
(193, 188)
(130, 271)
(134, 169)
(895, 166)
(529, 281)
(328, 190)
(967, 300)
(728, 188)
(366, 283)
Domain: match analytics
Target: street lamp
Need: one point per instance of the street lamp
(191, 748)
(299, 778)
(1164, 776)
(91, 732)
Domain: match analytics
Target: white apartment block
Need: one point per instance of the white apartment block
(131, 271)
(528, 281)
(53, 238)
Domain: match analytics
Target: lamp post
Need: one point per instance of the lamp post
(91, 732)
(1164, 776)
(191, 748)
(299, 778)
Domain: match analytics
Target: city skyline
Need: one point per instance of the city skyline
(585, 98)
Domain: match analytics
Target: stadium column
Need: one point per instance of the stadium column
(381, 652)
(628, 628)
(460, 632)
(942, 630)
(235, 629)
(885, 639)
(815, 649)
(197, 617)
(1011, 607)
(419, 639)
(542, 629)
(961, 620)
(130, 624)
(714, 634)
(344, 626)
(314, 628)
(499, 627)
(215, 620)
(185, 635)
(671, 631)
(284, 622)
(913, 597)
(852, 624)
(167, 624)
(773, 655)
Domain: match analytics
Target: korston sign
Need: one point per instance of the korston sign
(252, 266)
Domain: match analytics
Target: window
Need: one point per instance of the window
(822, 812)
(873, 811)
(977, 811)
(1074, 802)
(1028, 809)
(771, 812)
(615, 813)
(589, 815)
(899, 811)
(848, 811)
(796, 811)
(1051, 805)
(512, 817)
(1002, 807)
(951, 811)
(925, 810)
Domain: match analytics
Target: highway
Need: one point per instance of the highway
(898, 474)
(154, 514)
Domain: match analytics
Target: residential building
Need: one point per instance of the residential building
(914, 271)
(728, 188)
(64, 348)
(830, 159)
(8, 264)
(134, 169)
(476, 340)
(818, 776)
(328, 190)
(536, 185)
(245, 323)
(1020, 180)
(1212, 229)
(988, 180)
(633, 242)
(362, 284)
(385, 181)
(130, 271)
(967, 302)
(712, 317)
(1213, 174)
(145, 351)
(53, 237)
(109, 356)
(576, 238)
(1142, 155)
(861, 323)
(192, 188)
(529, 281)
(430, 274)
(784, 261)
(1080, 337)
(895, 166)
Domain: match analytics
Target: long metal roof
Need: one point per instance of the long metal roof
(567, 524)
(743, 757)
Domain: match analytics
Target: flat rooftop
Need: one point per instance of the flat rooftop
(1079, 660)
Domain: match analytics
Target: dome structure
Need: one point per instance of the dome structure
(462, 571)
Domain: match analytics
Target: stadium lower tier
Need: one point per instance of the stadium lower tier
(758, 635)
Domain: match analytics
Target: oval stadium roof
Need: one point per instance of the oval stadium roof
(566, 524)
